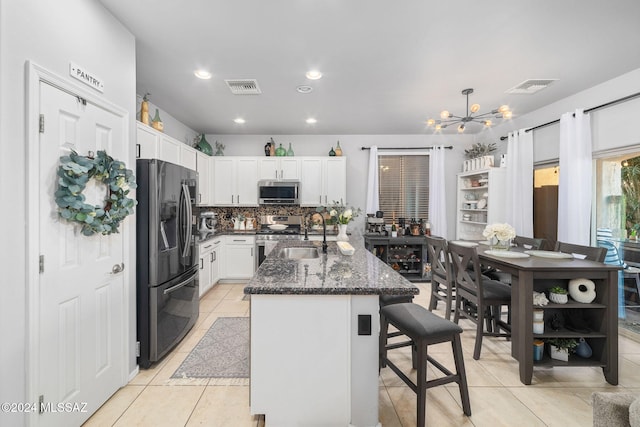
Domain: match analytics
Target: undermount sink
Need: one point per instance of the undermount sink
(300, 253)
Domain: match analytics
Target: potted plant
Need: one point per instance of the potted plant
(560, 348)
(559, 295)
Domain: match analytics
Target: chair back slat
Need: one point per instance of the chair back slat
(438, 251)
(529, 242)
(591, 253)
(467, 272)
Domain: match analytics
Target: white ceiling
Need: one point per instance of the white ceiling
(388, 65)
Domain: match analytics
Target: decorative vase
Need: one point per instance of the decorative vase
(204, 146)
(156, 123)
(342, 233)
(583, 349)
(332, 153)
(144, 110)
(499, 245)
(280, 151)
(290, 150)
(267, 149)
(338, 150)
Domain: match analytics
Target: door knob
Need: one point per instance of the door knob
(117, 268)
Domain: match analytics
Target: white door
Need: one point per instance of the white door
(247, 181)
(335, 180)
(81, 333)
(311, 182)
(224, 175)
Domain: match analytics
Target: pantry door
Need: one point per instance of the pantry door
(81, 305)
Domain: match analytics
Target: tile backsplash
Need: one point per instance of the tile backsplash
(226, 213)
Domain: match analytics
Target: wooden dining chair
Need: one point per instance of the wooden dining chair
(592, 253)
(442, 283)
(476, 291)
(529, 243)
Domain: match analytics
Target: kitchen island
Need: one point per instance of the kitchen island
(314, 334)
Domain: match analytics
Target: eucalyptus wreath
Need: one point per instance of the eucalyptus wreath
(74, 173)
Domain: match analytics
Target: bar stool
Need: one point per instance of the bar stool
(424, 328)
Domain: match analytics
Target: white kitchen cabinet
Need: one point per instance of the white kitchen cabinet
(209, 260)
(169, 149)
(323, 180)
(188, 157)
(235, 181)
(204, 166)
(151, 144)
(146, 142)
(278, 168)
(204, 274)
(239, 257)
(481, 201)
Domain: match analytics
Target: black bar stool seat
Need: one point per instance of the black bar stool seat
(424, 328)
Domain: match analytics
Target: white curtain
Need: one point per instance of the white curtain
(373, 201)
(520, 182)
(437, 199)
(574, 192)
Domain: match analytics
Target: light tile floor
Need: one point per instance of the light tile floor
(557, 397)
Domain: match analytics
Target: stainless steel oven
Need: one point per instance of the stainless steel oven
(267, 238)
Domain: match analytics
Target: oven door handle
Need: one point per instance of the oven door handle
(178, 286)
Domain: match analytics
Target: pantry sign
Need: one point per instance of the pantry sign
(86, 77)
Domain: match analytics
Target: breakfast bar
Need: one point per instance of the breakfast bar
(314, 334)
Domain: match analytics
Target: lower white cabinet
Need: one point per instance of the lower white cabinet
(239, 257)
(209, 264)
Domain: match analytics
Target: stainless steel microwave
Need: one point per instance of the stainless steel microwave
(283, 192)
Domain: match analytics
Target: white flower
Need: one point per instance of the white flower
(499, 231)
(333, 212)
(348, 213)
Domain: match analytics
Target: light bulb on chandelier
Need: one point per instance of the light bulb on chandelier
(448, 119)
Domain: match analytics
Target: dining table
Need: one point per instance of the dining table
(539, 271)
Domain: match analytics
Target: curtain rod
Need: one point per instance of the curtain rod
(598, 107)
(449, 147)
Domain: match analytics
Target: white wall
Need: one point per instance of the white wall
(50, 34)
(357, 159)
(172, 126)
(612, 127)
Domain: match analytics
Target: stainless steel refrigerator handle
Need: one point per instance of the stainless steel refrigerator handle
(178, 286)
(186, 222)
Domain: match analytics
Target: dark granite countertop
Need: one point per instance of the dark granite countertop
(329, 274)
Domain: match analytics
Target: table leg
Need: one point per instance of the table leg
(525, 326)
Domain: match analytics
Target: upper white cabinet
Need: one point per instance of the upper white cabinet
(278, 168)
(147, 142)
(235, 181)
(322, 180)
(169, 150)
(152, 144)
(188, 157)
(204, 166)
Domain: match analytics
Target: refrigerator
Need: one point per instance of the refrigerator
(167, 257)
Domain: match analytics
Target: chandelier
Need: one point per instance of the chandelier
(448, 119)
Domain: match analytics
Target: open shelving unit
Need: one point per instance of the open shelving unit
(481, 198)
(407, 255)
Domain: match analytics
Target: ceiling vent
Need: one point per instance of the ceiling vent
(530, 86)
(243, 87)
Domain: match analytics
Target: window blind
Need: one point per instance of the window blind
(404, 186)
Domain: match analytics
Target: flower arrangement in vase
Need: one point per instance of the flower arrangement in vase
(342, 215)
(499, 235)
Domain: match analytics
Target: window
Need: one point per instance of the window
(404, 186)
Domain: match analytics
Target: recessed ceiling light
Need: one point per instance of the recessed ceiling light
(313, 75)
(239, 120)
(202, 74)
(304, 89)
(311, 120)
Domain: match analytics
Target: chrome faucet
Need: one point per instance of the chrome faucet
(324, 229)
